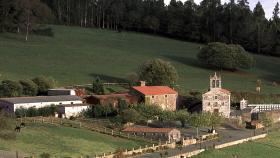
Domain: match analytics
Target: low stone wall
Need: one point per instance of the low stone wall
(189, 154)
(188, 141)
(196, 152)
(141, 150)
(240, 141)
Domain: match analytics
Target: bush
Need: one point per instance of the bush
(130, 115)
(97, 86)
(45, 155)
(158, 72)
(44, 83)
(29, 88)
(228, 57)
(7, 124)
(10, 88)
(32, 112)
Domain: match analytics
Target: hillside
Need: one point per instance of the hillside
(75, 55)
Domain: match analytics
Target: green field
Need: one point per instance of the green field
(264, 148)
(74, 55)
(64, 141)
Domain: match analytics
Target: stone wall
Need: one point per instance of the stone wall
(240, 141)
(166, 101)
(188, 141)
(141, 150)
(189, 154)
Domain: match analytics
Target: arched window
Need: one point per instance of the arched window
(213, 84)
(217, 83)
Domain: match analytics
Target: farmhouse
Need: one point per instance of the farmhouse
(66, 111)
(168, 134)
(11, 104)
(217, 99)
(163, 96)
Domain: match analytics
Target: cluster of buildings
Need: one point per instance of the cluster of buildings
(71, 103)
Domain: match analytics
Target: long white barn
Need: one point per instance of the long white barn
(11, 104)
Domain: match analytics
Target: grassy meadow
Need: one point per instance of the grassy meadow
(64, 141)
(75, 55)
(268, 147)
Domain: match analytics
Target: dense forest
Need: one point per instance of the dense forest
(210, 21)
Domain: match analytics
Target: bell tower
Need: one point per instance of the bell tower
(215, 81)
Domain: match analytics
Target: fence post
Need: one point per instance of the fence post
(112, 132)
(80, 124)
(16, 154)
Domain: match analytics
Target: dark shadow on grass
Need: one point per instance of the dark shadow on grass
(188, 61)
(108, 78)
(272, 78)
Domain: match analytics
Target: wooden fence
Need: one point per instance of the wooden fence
(84, 125)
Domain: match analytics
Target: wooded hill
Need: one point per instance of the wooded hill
(210, 21)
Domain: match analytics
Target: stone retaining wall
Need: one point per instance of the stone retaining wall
(240, 141)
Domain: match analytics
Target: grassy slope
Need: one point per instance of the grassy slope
(75, 55)
(64, 141)
(268, 147)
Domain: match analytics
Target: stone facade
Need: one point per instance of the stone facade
(217, 99)
(162, 96)
(163, 134)
(166, 101)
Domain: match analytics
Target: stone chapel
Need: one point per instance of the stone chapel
(217, 99)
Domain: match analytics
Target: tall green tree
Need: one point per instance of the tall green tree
(158, 72)
(10, 88)
(29, 88)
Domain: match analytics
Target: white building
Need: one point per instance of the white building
(11, 104)
(217, 99)
(66, 111)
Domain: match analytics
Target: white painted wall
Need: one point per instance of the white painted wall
(73, 110)
(44, 104)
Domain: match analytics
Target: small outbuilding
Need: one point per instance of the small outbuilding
(165, 134)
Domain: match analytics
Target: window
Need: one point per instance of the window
(218, 83)
(213, 84)
(72, 103)
(165, 96)
(216, 97)
(216, 104)
(153, 96)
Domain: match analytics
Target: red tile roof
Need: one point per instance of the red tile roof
(148, 130)
(154, 90)
(225, 91)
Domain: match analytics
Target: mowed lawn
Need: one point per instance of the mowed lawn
(264, 148)
(64, 142)
(75, 55)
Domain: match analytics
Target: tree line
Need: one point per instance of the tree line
(210, 21)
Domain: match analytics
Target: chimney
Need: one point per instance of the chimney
(142, 83)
